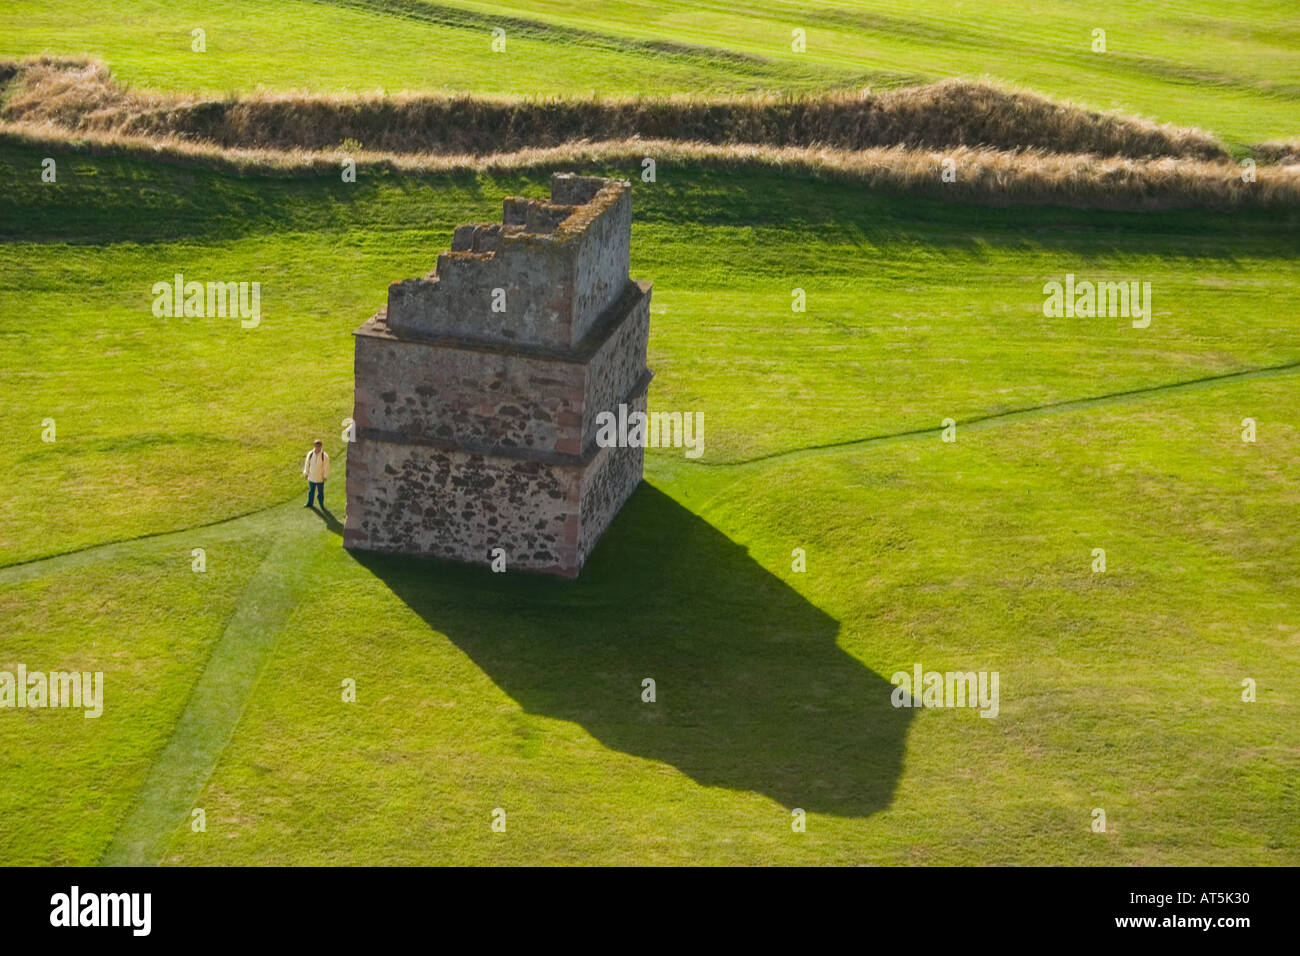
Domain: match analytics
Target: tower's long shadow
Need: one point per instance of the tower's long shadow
(752, 691)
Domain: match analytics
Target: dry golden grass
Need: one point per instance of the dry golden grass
(1005, 147)
(84, 97)
(984, 175)
(1284, 153)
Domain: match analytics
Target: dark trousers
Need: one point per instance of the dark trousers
(316, 489)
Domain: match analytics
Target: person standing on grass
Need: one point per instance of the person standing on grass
(317, 468)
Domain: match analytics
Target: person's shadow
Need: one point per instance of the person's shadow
(752, 692)
(332, 523)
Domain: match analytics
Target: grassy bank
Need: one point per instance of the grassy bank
(1120, 690)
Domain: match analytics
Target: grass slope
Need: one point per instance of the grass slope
(138, 613)
(1233, 70)
(945, 298)
(1120, 690)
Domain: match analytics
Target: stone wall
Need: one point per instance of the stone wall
(560, 266)
(617, 371)
(471, 397)
(476, 429)
(449, 504)
(602, 259)
(608, 483)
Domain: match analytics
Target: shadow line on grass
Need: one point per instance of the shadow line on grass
(1068, 405)
(34, 567)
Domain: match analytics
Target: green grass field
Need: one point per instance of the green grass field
(1119, 690)
(1233, 70)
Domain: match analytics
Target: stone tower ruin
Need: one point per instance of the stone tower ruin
(477, 388)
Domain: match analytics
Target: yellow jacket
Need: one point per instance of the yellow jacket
(316, 467)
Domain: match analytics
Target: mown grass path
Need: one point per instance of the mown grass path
(219, 697)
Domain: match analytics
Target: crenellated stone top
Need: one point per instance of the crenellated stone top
(542, 276)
